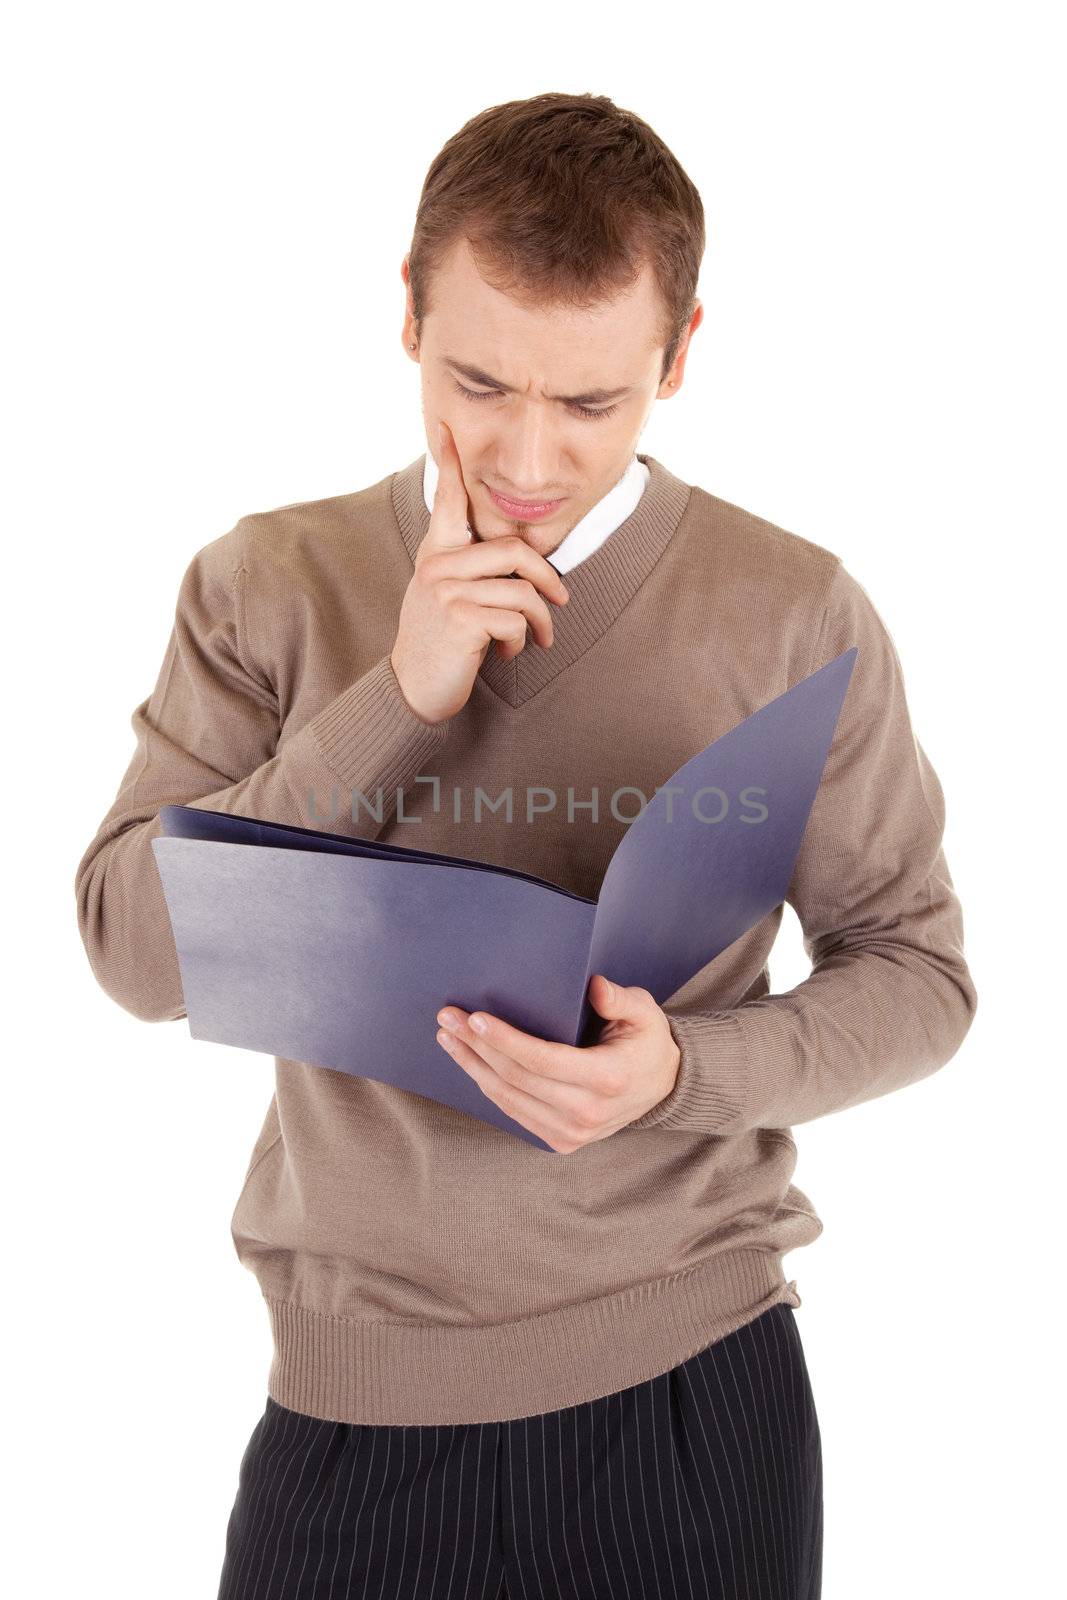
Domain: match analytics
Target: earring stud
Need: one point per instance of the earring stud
(411, 346)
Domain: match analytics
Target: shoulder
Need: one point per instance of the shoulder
(761, 580)
(315, 542)
(757, 547)
(780, 584)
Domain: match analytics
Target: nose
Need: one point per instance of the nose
(527, 456)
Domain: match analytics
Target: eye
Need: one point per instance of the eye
(590, 411)
(477, 394)
(493, 394)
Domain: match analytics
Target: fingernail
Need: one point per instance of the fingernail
(478, 1024)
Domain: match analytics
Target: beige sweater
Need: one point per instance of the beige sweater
(418, 1264)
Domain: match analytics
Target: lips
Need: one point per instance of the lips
(526, 510)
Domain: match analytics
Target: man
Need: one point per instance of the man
(498, 1369)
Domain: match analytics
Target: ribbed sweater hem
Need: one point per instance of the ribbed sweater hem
(411, 1374)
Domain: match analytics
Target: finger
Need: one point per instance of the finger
(560, 1064)
(451, 515)
(564, 1100)
(460, 1028)
(504, 596)
(516, 1102)
(622, 1003)
(503, 556)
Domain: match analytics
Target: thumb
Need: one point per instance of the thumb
(616, 1001)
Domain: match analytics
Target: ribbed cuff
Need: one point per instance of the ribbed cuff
(368, 739)
(713, 1082)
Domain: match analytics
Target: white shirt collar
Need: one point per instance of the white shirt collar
(600, 520)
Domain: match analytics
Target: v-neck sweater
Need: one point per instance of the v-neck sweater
(421, 1266)
(599, 587)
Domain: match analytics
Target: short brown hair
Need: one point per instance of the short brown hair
(562, 199)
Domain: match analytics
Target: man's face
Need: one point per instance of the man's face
(544, 428)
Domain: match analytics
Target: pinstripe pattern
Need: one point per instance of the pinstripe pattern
(704, 1484)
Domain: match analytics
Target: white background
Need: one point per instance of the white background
(207, 210)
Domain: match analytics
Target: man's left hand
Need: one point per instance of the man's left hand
(570, 1097)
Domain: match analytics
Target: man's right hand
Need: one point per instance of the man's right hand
(461, 598)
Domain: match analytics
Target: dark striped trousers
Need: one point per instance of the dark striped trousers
(703, 1482)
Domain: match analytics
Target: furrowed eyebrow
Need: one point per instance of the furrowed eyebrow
(591, 397)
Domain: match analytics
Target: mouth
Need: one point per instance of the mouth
(524, 510)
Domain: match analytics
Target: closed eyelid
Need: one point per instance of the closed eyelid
(590, 412)
(590, 398)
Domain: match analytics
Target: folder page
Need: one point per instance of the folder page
(340, 951)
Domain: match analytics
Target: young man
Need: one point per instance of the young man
(495, 1367)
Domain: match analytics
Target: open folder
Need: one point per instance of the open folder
(340, 951)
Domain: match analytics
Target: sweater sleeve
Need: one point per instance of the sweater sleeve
(889, 998)
(208, 736)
